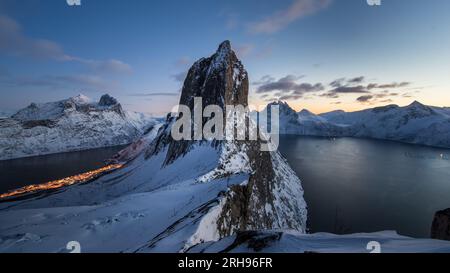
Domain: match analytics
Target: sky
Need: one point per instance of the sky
(321, 55)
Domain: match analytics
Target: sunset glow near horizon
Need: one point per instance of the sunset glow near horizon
(320, 55)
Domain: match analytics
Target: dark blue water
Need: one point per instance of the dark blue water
(21, 172)
(359, 185)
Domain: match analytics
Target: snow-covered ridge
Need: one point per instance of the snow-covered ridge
(416, 123)
(72, 124)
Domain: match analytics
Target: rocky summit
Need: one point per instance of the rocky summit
(272, 197)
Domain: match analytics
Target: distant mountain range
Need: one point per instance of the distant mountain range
(416, 123)
(72, 124)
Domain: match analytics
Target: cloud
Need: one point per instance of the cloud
(281, 19)
(290, 97)
(160, 94)
(264, 80)
(86, 82)
(334, 93)
(181, 76)
(365, 98)
(183, 61)
(337, 83)
(244, 50)
(383, 97)
(354, 86)
(14, 42)
(113, 66)
(287, 84)
(388, 86)
(350, 89)
(356, 80)
(232, 21)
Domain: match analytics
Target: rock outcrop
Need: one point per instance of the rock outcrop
(440, 228)
(272, 197)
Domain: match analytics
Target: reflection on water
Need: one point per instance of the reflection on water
(64, 182)
(22, 172)
(359, 185)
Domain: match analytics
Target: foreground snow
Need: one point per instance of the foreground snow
(294, 242)
(70, 125)
(122, 211)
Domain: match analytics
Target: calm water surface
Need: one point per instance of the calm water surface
(21, 172)
(359, 185)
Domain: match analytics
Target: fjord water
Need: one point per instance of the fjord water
(359, 185)
(26, 171)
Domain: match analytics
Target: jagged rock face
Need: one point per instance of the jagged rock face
(441, 225)
(107, 100)
(220, 80)
(272, 198)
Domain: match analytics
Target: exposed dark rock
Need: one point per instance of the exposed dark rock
(219, 80)
(28, 124)
(222, 80)
(440, 228)
(107, 100)
(255, 240)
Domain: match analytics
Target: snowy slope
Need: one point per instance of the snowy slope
(69, 125)
(415, 123)
(294, 242)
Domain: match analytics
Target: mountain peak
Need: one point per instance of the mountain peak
(107, 100)
(224, 46)
(280, 103)
(416, 104)
(306, 112)
(220, 79)
(81, 99)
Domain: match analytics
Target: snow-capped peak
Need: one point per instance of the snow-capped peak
(107, 100)
(283, 106)
(221, 57)
(416, 104)
(81, 99)
(225, 46)
(306, 112)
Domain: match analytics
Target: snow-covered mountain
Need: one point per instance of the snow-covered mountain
(170, 195)
(303, 122)
(415, 123)
(72, 124)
